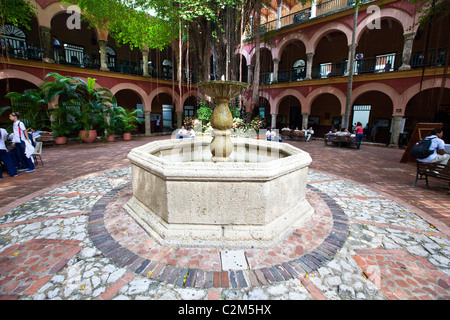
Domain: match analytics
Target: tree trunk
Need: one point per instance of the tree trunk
(348, 107)
(255, 83)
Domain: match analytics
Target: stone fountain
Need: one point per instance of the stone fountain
(218, 192)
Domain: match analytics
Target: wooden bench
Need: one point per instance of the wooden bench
(339, 140)
(425, 170)
(46, 136)
(292, 134)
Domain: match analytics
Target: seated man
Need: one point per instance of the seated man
(182, 133)
(437, 146)
(309, 133)
(191, 132)
(343, 132)
(273, 136)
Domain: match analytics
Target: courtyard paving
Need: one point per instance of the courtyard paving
(65, 236)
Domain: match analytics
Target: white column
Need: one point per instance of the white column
(274, 120)
(309, 63)
(396, 128)
(305, 117)
(407, 50)
(313, 9)
(276, 63)
(249, 73)
(278, 14)
(103, 63)
(148, 129)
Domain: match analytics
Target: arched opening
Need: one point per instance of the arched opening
(266, 66)
(325, 114)
(190, 107)
(243, 70)
(430, 46)
(21, 43)
(292, 66)
(163, 107)
(381, 48)
(290, 112)
(379, 107)
(331, 63)
(121, 58)
(79, 47)
(130, 101)
(431, 105)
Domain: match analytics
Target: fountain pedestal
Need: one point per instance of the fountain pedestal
(222, 119)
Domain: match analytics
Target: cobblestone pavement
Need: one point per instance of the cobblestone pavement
(68, 242)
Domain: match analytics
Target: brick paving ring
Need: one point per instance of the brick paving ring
(123, 241)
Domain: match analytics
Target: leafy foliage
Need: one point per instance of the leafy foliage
(17, 12)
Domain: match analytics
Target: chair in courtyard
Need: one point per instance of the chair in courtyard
(38, 152)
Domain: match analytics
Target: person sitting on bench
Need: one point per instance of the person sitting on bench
(437, 145)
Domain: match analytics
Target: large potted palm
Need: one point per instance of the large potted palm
(93, 103)
(129, 122)
(63, 90)
(113, 122)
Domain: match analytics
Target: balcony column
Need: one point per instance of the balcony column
(313, 9)
(148, 129)
(276, 63)
(407, 50)
(309, 63)
(396, 128)
(249, 73)
(305, 117)
(103, 63)
(145, 52)
(278, 14)
(46, 43)
(274, 120)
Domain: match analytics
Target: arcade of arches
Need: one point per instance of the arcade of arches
(303, 72)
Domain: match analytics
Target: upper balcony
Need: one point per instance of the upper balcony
(305, 14)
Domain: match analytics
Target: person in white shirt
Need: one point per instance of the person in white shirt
(191, 132)
(20, 135)
(182, 133)
(309, 133)
(4, 157)
(437, 145)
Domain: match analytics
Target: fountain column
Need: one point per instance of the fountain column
(222, 120)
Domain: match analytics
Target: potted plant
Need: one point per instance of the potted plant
(112, 122)
(63, 87)
(93, 102)
(128, 122)
(60, 124)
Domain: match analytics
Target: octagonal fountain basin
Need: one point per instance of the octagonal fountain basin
(182, 198)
